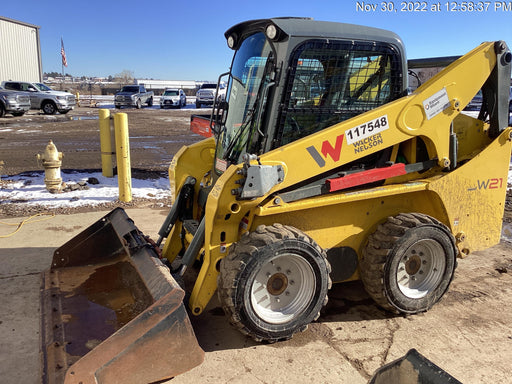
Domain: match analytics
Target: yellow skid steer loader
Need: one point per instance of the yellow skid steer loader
(322, 169)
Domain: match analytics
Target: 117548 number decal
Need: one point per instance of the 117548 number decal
(367, 129)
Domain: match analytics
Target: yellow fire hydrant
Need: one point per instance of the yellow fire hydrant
(51, 160)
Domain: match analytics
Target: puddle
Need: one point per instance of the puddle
(75, 118)
(96, 301)
(506, 232)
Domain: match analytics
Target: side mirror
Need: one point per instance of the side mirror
(221, 112)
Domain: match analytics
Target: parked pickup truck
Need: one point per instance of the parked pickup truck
(15, 103)
(43, 97)
(133, 96)
(206, 94)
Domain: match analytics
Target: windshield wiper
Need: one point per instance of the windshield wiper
(246, 123)
(249, 118)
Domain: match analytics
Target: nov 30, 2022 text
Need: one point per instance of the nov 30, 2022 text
(426, 6)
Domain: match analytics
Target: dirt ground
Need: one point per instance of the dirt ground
(469, 333)
(155, 136)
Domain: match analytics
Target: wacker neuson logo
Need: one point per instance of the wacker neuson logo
(327, 150)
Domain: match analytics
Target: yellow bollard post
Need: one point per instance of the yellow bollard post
(107, 169)
(124, 173)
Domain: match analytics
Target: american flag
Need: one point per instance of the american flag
(63, 53)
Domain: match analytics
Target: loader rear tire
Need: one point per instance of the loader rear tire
(274, 282)
(408, 263)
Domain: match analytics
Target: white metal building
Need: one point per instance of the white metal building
(162, 84)
(20, 51)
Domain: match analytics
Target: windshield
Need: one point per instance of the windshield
(130, 88)
(248, 70)
(171, 93)
(42, 87)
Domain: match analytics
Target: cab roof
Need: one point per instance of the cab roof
(307, 27)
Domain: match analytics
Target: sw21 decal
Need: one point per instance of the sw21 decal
(488, 184)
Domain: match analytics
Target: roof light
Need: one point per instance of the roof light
(271, 31)
(231, 41)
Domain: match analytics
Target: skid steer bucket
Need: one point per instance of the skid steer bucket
(111, 311)
(413, 368)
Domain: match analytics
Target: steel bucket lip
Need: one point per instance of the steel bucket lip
(162, 323)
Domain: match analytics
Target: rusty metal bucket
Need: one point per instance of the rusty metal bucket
(111, 311)
(412, 368)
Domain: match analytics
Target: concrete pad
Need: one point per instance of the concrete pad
(19, 327)
(23, 256)
(468, 333)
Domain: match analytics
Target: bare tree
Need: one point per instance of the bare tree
(125, 77)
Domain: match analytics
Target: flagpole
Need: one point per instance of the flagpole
(63, 57)
(63, 60)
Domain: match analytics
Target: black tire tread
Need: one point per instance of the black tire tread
(244, 249)
(380, 244)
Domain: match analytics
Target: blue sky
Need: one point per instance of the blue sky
(184, 40)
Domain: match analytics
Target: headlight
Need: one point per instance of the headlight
(232, 41)
(271, 32)
(11, 98)
(61, 97)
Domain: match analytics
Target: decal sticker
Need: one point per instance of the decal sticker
(327, 149)
(368, 143)
(436, 103)
(221, 165)
(488, 184)
(367, 129)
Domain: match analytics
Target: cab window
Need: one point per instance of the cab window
(332, 81)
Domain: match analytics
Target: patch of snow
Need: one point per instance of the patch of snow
(30, 189)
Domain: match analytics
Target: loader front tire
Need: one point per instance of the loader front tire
(274, 282)
(408, 263)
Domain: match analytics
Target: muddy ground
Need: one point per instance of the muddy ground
(155, 136)
(469, 333)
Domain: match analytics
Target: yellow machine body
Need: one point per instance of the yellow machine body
(469, 200)
(322, 169)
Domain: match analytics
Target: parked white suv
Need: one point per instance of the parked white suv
(173, 97)
(43, 97)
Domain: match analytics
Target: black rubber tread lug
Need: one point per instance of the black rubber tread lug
(377, 251)
(232, 264)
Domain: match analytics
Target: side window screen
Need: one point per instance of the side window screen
(329, 82)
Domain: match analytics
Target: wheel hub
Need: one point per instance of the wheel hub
(421, 268)
(413, 265)
(277, 284)
(282, 288)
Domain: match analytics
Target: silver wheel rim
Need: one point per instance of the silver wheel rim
(48, 108)
(421, 268)
(283, 288)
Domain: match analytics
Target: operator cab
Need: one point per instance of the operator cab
(285, 84)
